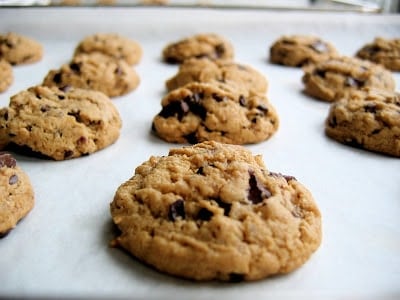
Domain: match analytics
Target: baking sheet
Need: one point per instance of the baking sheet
(61, 248)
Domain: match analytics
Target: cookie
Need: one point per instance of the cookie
(60, 124)
(208, 45)
(6, 75)
(382, 51)
(16, 193)
(18, 49)
(111, 44)
(335, 78)
(368, 119)
(299, 50)
(95, 71)
(200, 112)
(214, 212)
(206, 70)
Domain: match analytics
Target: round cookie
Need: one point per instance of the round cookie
(111, 44)
(368, 119)
(335, 78)
(6, 75)
(209, 45)
(60, 124)
(18, 49)
(16, 193)
(299, 50)
(213, 211)
(95, 71)
(206, 70)
(382, 51)
(200, 112)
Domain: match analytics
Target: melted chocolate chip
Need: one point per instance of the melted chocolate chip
(6, 160)
(287, 177)
(181, 108)
(13, 179)
(200, 171)
(45, 108)
(350, 81)
(257, 192)
(61, 97)
(195, 106)
(176, 210)
(65, 89)
(319, 46)
(76, 115)
(204, 214)
(263, 108)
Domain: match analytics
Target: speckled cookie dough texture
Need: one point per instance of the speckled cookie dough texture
(16, 193)
(214, 212)
(368, 119)
(300, 50)
(95, 71)
(382, 51)
(224, 71)
(60, 124)
(335, 78)
(6, 75)
(200, 112)
(209, 45)
(112, 44)
(18, 49)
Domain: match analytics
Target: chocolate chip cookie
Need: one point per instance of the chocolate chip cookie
(214, 212)
(6, 75)
(18, 49)
(16, 193)
(60, 124)
(199, 112)
(111, 44)
(229, 72)
(368, 119)
(95, 71)
(335, 78)
(383, 51)
(210, 45)
(299, 50)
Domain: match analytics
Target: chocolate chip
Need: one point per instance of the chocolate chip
(194, 102)
(220, 50)
(81, 140)
(44, 108)
(320, 73)
(76, 67)
(257, 192)
(172, 60)
(76, 115)
(217, 97)
(68, 153)
(225, 206)
(5, 116)
(319, 46)
(13, 179)
(204, 214)
(287, 177)
(200, 171)
(57, 78)
(371, 108)
(236, 277)
(118, 71)
(263, 108)
(176, 210)
(65, 89)
(7, 160)
(352, 82)
(242, 100)
(61, 97)
(191, 138)
(376, 131)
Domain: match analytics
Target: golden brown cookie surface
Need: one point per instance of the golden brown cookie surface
(213, 211)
